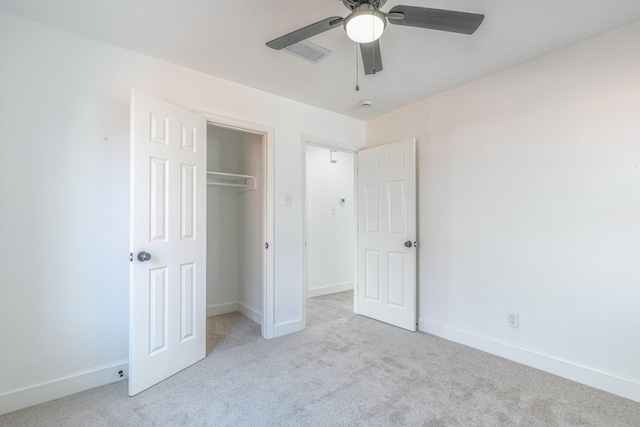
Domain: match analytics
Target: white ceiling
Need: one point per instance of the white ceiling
(226, 38)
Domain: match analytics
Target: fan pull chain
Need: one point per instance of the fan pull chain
(357, 85)
(373, 59)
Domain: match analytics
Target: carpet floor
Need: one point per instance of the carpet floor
(325, 308)
(348, 372)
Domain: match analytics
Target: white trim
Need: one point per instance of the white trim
(326, 143)
(252, 314)
(232, 307)
(217, 309)
(621, 386)
(91, 378)
(286, 328)
(268, 186)
(329, 289)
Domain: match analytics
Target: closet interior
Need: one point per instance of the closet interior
(235, 246)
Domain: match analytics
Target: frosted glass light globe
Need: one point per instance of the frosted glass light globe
(365, 24)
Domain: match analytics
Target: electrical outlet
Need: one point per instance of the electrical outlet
(513, 320)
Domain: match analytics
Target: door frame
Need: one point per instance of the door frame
(268, 182)
(331, 145)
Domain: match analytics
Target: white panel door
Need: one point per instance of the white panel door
(167, 300)
(386, 233)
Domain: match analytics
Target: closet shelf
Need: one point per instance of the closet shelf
(223, 179)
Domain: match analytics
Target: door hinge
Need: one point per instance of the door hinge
(266, 245)
(131, 256)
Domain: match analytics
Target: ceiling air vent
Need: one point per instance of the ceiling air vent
(308, 51)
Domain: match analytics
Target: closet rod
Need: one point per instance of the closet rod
(226, 184)
(232, 175)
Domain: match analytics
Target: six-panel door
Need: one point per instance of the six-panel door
(386, 233)
(168, 207)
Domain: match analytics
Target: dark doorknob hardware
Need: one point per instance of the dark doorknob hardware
(144, 256)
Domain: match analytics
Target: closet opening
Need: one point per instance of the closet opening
(330, 233)
(237, 270)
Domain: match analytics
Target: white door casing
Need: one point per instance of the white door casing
(386, 229)
(267, 179)
(167, 301)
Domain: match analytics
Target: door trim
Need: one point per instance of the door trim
(332, 145)
(268, 180)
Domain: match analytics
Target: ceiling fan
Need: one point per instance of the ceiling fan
(366, 23)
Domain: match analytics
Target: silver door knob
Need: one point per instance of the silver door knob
(144, 256)
(408, 243)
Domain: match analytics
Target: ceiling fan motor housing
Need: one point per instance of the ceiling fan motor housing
(352, 4)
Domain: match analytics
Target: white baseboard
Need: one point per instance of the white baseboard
(286, 328)
(624, 387)
(250, 313)
(232, 307)
(330, 289)
(28, 396)
(214, 310)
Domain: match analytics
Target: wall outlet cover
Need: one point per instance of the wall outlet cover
(513, 320)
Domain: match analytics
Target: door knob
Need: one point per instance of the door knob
(407, 244)
(144, 256)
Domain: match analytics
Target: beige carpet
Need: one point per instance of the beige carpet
(349, 372)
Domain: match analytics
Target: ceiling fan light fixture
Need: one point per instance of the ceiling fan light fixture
(365, 24)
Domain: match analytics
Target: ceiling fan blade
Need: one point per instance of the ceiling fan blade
(437, 19)
(371, 57)
(305, 33)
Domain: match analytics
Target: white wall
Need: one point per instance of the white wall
(223, 250)
(64, 169)
(251, 231)
(529, 203)
(331, 237)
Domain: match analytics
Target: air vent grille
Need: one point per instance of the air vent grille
(308, 51)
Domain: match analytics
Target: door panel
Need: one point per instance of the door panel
(372, 275)
(158, 177)
(188, 300)
(397, 279)
(157, 310)
(397, 204)
(168, 208)
(188, 202)
(372, 207)
(387, 218)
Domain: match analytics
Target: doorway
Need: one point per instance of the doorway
(330, 233)
(235, 246)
